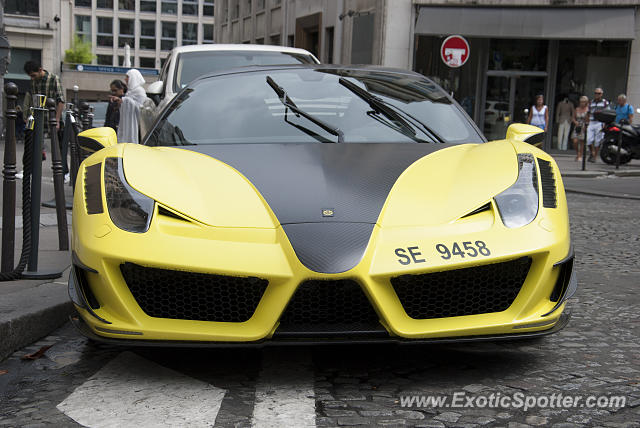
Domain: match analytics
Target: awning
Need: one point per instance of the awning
(529, 23)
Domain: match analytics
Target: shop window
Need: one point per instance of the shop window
(105, 32)
(104, 59)
(207, 33)
(147, 62)
(148, 6)
(83, 26)
(462, 82)
(518, 54)
(170, 7)
(189, 33)
(190, 7)
(147, 34)
(584, 65)
(168, 40)
(23, 7)
(127, 4)
(104, 4)
(126, 33)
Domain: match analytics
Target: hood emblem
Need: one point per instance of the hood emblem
(327, 212)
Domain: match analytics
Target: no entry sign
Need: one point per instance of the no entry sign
(455, 51)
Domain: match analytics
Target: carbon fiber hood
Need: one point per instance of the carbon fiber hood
(327, 197)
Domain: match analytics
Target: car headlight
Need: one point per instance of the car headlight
(518, 205)
(129, 209)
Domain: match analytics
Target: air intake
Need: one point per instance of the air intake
(93, 189)
(549, 199)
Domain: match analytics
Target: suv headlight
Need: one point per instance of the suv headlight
(129, 209)
(518, 205)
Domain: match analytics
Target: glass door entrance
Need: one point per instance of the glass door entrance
(509, 97)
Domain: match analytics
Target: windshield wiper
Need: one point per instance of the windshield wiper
(381, 106)
(288, 102)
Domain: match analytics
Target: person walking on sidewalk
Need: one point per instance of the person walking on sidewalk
(564, 116)
(539, 113)
(594, 136)
(48, 84)
(624, 110)
(580, 122)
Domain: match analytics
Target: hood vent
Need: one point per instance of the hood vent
(485, 207)
(548, 180)
(167, 213)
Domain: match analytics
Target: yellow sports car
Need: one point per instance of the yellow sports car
(318, 204)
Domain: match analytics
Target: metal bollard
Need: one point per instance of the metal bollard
(84, 114)
(58, 179)
(36, 188)
(9, 181)
(619, 147)
(76, 99)
(90, 116)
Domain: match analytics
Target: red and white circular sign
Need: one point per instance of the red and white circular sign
(455, 51)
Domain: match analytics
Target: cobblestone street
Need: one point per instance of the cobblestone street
(597, 354)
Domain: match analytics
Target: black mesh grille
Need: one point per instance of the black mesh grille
(469, 291)
(548, 184)
(193, 296)
(329, 306)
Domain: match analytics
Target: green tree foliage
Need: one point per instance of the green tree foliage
(80, 52)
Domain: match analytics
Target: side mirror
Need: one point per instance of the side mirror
(155, 88)
(526, 133)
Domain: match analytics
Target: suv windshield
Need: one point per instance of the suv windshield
(312, 105)
(194, 64)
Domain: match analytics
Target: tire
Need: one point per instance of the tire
(609, 156)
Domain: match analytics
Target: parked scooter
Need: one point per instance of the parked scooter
(630, 148)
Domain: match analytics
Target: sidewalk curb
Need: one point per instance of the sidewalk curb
(23, 327)
(584, 174)
(603, 194)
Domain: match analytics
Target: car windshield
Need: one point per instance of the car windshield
(300, 105)
(194, 64)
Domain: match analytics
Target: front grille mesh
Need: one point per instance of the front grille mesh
(549, 199)
(329, 305)
(469, 291)
(174, 294)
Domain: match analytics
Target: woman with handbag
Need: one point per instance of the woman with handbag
(580, 123)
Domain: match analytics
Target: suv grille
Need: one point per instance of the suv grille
(175, 294)
(329, 306)
(468, 291)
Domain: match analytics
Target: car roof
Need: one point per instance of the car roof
(366, 67)
(240, 47)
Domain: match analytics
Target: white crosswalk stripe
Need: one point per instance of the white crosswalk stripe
(131, 391)
(284, 393)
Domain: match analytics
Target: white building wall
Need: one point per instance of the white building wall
(397, 34)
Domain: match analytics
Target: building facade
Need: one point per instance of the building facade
(42, 30)
(518, 48)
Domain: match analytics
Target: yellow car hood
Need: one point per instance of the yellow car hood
(264, 185)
